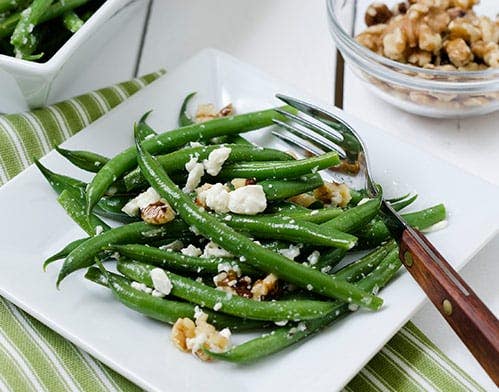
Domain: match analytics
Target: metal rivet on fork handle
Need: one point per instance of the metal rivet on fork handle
(447, 307)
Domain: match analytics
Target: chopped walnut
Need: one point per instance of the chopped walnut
(240, 182)
(428, 40)
(183, 329)
(208, 112)
(459, 52)
(394, 44)
(264, 288)
(230, 282)
(188, 335)
(430, 33)
(377, 13)
(303, 199)
(157, 213)
(463, 28)
(420, 58)
(334, 194)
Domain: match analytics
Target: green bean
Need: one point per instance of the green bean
(356, 196)
(63, 252)
(73, 201)
(401, 204)
(95, 275)
(72, 21)
(164, 310)
(86, 160)
(168, 141)
(108, 206)
(176, 160)
(238, 139)
(356, 217)
(376, 231)
(363, 266)
(58, 182)
(425, 218)
(329, 259)
(22, 38)
(235, 305)
(83, 256)
(313, 216)
(279, 170)
(144, 131)
(54, 11)
(183, 119)
(399, 198)
(290, 229)
(286, 206)
(281, 338)
(283, 189)
(238, 244)
(10, 5)
(178, 261)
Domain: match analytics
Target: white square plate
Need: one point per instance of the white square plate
(33, 226)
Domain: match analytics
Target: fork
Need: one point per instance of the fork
(317, 131)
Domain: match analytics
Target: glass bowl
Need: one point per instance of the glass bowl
(426, 92)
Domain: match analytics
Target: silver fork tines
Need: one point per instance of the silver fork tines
(301, 133)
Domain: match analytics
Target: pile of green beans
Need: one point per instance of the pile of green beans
(35, 29)
(302, 247)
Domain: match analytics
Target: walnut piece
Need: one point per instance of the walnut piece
(377, 13)
(334, 194)
(265, 287)
(432, 33)
(303, 199)
(208, 112)
(230, 282)
(188, 335)
(459, 52)
(157, 213)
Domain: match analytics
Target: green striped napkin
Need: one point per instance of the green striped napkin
(35, 358)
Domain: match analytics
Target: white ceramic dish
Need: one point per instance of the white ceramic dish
(27, 84)
(33, 226)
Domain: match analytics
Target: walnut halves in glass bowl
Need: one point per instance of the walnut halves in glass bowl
(437, 58)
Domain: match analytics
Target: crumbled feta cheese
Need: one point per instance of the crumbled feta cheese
(291, 252)
(437, 226)
(227, 267)
(196, 171)
(156, 293)
(314, 257)
(150, 196)
(196, 144)
(326, 269)
(248, 200)
(310, 287)
(215, 160)
(217, 306)
(174, 245)
(215, 198)
(161, 281)
(281, 323)
(225, 333)
(191, 250)
(353, 307)
(363, 201)
(98, 229)
(141, 287)
(214, 250)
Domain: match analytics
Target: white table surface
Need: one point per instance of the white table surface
(289, 39)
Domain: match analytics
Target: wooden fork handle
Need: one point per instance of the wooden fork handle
(468, 316)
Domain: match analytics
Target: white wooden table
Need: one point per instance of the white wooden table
(289, 39)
